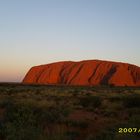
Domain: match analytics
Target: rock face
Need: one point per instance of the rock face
(88, 72)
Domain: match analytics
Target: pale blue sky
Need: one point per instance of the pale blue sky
(34, 32)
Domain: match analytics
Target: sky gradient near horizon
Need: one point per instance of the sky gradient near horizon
(35, 32)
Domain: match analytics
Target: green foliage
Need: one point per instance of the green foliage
(71, 135)
(74, 123)
(25, 121)
(105, 135)
(31, 112)
(20, 123)
(132, 101)
(90, 101)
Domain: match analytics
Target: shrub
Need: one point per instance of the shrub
(26, 120)
(90, 101)
(74, 123)
(52, 114)
(132, 101)
(20, 123)
(106, 135)
(71, 135)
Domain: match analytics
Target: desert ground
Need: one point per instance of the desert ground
(50, 112)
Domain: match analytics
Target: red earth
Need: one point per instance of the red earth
(88, 72)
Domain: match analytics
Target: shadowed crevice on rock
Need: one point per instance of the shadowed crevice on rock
(93, 74)
(77, 72)
(106, 78)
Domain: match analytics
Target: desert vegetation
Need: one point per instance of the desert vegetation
(40, 112)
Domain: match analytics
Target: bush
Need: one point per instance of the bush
(131, 101)
(90, 101)
(21, 123)
(106, 135)
(52, 114)
(71, 135)
(74, 123)
(26, 121)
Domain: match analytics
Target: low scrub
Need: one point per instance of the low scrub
(90, 101)
(132, 101)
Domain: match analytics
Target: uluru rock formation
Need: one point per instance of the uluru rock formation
(88, 72)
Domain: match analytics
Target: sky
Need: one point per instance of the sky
(35, 32)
